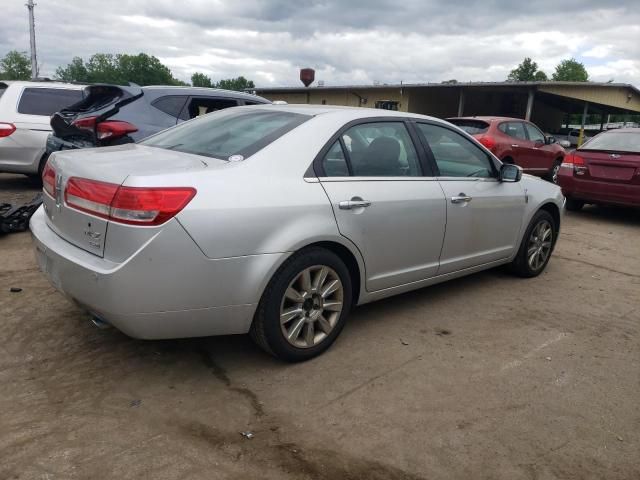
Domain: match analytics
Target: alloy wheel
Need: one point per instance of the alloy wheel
(311, 306)
(539, 246)
(554, 173)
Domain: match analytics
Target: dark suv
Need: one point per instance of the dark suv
(514, 140)
(112, 115)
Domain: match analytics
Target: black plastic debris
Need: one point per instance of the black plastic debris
(15, 289)
(16, 218)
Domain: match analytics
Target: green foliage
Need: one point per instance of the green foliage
(201, 80)
(570, 71)
(118, 69)
(15, 66)
(527, 71)
(239, 84)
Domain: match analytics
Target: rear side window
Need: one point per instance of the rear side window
(228, 135)
(472, 127)
(203, 105)
(171, 104)
(47, 101)
(513, 129)
(381, 149)
(334, 162)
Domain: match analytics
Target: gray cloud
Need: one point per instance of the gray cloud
(347, 42)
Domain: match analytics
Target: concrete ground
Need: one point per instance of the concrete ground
(490, 376)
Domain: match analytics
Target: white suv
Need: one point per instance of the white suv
(25, 108)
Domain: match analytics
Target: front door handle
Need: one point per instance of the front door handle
(515, 146)
(351, 204)
(461, 198)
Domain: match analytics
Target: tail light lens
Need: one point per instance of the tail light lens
(575, 162)
(114, 129)
(6, 129)
(87, 123)
(130, 205)
(487, 141)
(49, 180)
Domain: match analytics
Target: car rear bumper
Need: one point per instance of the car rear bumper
(598, 191)
(167, 289)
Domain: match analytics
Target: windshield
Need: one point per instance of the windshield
(615, 141)
(231, 134)
(472, 127)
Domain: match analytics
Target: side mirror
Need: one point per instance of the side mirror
(510, 173)
(551, 140)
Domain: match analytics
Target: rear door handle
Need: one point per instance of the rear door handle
(351, 204)
(461, 198)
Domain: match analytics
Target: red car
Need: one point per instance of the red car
(605, 170)
(514, 140)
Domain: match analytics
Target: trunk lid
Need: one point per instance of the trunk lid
(111, 165)
(100, 101)
(610, 166)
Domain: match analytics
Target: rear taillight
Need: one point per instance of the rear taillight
(574, 162)
(6, 129)
(49, 180)
(114, 129)
(487, 141)
(86, 123)
(130, 205)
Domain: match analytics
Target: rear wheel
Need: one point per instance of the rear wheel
(305, 306)
(574, 205)
(536, 247)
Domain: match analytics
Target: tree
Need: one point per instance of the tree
(239, 84)
(527, 71)
(570, 71)
(15, 66)
(118, 69)
(201, 80)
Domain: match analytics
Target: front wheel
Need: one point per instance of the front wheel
(536, 247)
(304, 307)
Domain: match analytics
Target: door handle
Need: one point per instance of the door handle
(351, 204)
(515, 146)
(461, 198)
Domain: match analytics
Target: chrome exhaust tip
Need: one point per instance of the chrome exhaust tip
(101, 324)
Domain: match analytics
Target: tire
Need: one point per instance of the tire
(552, 176)
(536, 246)
(574, 205)
(313, 320)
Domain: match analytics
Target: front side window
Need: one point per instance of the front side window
(455, 155)
(381, 149)
(535, 135)
(47, 101)
(513, 129)
(237, 133)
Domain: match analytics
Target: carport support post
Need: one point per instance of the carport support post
(461, 103)
(532, 94)
(602, 121)
(584, 120)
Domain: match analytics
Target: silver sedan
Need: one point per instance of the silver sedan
(277, 220)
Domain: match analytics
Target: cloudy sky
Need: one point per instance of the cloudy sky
(346, 42)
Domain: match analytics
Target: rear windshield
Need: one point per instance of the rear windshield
(614, 141)
(472, 127)
(46, 101)
(237, 133)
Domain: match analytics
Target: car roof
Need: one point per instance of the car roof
(219, 92)
(345, 113)
(51, 84)
(489, 118)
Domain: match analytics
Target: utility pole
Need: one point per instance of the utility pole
(32, 33)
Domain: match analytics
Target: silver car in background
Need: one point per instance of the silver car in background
(277, 219)
(25, 108)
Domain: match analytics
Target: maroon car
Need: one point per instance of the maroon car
(514, 140)
(605, 170)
